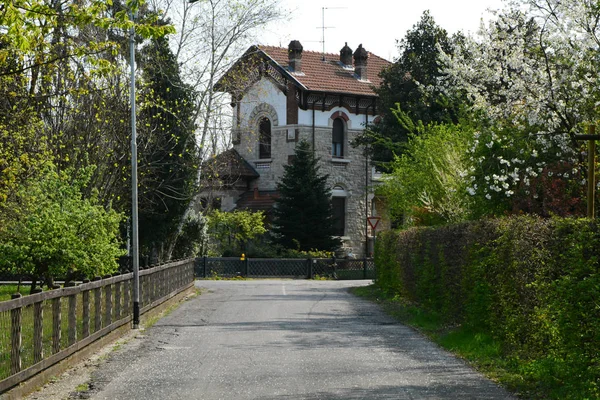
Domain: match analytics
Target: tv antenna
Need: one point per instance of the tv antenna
(323, 27)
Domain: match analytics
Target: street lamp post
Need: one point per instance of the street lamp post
(134, 192)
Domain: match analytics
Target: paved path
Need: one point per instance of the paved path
(284, 340)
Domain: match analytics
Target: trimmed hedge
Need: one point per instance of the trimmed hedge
(532, 284)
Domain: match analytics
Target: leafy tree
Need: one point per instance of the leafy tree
(303, 217)
(410, 84)
(58, 232)
(230, 231)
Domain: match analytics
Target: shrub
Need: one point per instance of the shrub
(58, 233)
(532, 284)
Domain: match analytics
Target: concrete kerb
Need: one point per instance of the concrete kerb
(36, 382)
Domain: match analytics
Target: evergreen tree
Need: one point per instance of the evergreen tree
(168, 161)
(303, 217)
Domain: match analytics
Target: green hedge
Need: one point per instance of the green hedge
(532, 284)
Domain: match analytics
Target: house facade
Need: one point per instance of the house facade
(283, 95)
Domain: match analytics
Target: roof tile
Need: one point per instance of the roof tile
(330, 75)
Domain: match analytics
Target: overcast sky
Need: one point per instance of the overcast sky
(377, 24)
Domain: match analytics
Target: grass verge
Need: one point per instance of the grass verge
(480, 350)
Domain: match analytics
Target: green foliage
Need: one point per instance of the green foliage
(411, 82)
(529, 285)
(58, 233)
(303, 217)
(168, 162)
(230, 231)
(427, 183)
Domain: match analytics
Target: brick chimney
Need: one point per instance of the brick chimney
(295, 56)
(360, 63)
(346, 55)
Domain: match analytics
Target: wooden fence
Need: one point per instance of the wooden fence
(79, 315)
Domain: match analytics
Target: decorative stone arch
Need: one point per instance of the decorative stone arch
(339, 114)
(260, 111)
(341, 188)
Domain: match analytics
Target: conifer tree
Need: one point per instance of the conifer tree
(303, 217)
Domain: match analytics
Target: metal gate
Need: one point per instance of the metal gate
(230, 267)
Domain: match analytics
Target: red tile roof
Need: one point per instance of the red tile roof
(329, 75)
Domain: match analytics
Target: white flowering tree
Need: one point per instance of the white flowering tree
(532, 79)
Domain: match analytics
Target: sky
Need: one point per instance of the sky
(376, 24)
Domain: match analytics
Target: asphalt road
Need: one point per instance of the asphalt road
(284, 340)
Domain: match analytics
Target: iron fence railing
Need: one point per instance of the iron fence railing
(44, 328)
(228, 267)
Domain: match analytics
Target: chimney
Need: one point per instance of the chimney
(295, 56)
(346, 55)
(360, 63)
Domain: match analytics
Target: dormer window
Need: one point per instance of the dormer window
(264, 138)
(337, 138)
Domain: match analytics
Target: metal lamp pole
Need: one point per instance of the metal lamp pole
(134, 191)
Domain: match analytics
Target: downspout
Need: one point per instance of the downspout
(367, 187)
(313, 126)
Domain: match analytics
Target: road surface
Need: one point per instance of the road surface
(284, 339)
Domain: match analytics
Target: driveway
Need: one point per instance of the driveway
(284, 339)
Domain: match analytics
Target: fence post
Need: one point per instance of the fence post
(38, 323)
(72, 316)
(365, 268)
(97, 306)
(107, 302)
(15, 337)
(247, 265)
(118, 286)
(204, 267)
(309, 268)
(85, 299)
(56, 323)
(127, 297)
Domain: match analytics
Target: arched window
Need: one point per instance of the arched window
(337, 138)
(264, 138)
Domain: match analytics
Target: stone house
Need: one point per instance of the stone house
(283, 95)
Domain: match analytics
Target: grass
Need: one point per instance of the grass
(6, 291)
(480, 350)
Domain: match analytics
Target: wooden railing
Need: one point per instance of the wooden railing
(30, 343)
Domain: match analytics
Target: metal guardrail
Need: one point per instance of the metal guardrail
(229, 267)
(78, 315)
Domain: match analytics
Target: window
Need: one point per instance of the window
(337, 138)
(264, 138)
(338, 205)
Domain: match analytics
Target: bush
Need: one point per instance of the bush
(58, 233)
(532, 284)
(427, 184)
